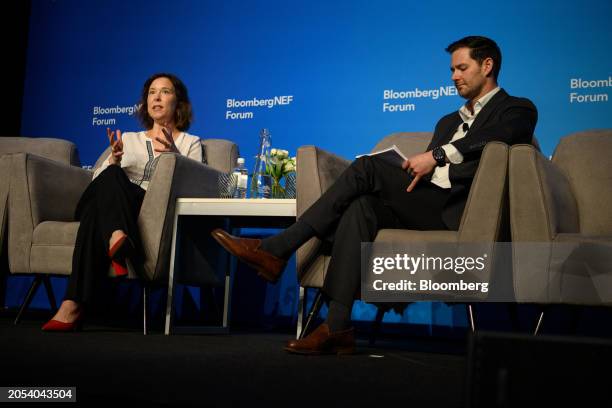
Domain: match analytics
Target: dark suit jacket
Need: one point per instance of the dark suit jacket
(504, 118)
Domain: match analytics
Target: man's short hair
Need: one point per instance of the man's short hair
(481, 48)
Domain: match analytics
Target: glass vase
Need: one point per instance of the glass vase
(277, 190)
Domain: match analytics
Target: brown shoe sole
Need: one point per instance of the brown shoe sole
(270, 277)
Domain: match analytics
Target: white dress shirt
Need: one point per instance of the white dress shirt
(440, 174)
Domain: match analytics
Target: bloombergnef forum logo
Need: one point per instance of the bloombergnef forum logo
(107, 115)
(405, 98)
(251, 104)
(596, 93)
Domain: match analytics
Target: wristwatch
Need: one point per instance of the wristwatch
(439, 156)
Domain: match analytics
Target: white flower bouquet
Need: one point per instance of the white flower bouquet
(278, 165)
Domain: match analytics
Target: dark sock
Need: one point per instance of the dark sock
(338, 317)
(287, 242)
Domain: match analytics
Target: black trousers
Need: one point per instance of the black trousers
(368, 196)
(110, 202)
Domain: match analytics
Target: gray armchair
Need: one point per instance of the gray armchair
(484, 218)
(43, 195)
(561, 222)
(58, 150)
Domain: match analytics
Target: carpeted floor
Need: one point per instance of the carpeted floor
(110, 365)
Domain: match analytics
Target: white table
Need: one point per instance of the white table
(257, 213)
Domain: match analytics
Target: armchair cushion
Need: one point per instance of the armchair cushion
(52, 247)
(403, 235)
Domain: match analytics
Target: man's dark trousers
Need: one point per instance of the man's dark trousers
(368, 196)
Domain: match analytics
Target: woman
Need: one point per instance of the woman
(109, 207)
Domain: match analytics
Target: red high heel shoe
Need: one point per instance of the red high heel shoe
(57, 326)
(120, 268)
(118, 252)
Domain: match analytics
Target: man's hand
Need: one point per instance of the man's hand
(116, 146)
(419, 166)
(167, 142)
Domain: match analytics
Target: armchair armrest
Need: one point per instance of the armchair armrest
(174, 177)
(485, 214)
(40, 190)
(317, 171)
(543, 204)
(59, 150)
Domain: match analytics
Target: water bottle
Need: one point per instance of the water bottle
(261, 183)
(240, 176)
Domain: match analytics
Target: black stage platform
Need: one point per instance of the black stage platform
(118, 365)
(113, 362)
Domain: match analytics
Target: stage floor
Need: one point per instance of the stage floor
(109, 364)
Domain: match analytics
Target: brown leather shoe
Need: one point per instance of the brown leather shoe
(268, 266)
(321, 341)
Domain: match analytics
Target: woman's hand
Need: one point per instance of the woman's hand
(116, 146)
(167, 142)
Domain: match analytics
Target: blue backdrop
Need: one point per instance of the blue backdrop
(319, 70)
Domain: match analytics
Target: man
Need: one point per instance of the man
(371, 194)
